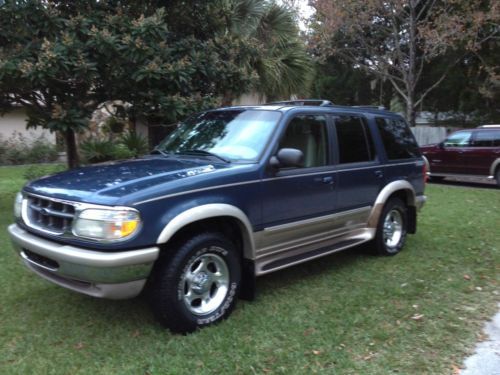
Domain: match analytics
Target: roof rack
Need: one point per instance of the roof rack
(379, 107)
(489, 126)
(313, 102)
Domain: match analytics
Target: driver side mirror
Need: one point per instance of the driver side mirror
(441, 145)
(286, 158)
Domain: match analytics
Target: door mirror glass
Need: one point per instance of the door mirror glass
(287, 158)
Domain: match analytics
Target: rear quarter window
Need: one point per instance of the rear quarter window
(487, 138)
(398, 140)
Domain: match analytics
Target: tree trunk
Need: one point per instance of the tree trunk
(411, 77)
(410, 109)
(71, 151)
(227, 99)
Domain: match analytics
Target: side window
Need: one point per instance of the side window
(399, 142)
(460, 139)
(308, 134)
(487, 138)
(354, 140)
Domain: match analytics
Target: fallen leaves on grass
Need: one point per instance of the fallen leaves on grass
(417, 316)
(467, 277)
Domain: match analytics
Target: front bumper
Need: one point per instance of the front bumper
(118, 275)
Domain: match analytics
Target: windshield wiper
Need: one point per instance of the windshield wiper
(203, 152)
(157, 150)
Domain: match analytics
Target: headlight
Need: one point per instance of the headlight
(18, 206)
(107, 225)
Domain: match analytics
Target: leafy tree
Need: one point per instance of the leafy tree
(61, 59)
(395, 39)
(282, 65)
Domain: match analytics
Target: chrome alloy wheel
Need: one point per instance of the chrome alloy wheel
(393, 228)
(205, 283)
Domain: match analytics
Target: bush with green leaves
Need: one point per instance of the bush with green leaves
(136, 143)
(20, 149)
(129, 145)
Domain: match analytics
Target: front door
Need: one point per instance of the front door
(296, 202)
(452, 158)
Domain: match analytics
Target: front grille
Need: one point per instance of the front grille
(49, 215)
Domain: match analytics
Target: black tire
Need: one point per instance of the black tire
(396, 209)
(194, 274)
(497, 177)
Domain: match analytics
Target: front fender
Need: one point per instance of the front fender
(207, 211)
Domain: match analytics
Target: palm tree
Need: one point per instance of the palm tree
(283, 65)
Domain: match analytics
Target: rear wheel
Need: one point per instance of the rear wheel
(497, 177)
(392, 228)
(198, 285)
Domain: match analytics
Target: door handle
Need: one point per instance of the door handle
(379, 174)
(327, 180)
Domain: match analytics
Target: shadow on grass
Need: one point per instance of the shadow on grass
(56, 304)
(312, 269)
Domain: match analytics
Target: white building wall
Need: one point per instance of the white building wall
(15, 122)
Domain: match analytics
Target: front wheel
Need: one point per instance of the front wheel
(392, 228)
(198, 285)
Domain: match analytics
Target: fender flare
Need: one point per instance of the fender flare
(494, 165)
(383, 196)
(207, 211)
(427, 165)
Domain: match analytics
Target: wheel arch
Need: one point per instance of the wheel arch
(212, 213)
(401, 189)
(494, 167)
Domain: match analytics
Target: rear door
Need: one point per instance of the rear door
(485, 149)
(360, 175)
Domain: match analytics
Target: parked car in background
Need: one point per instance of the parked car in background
(469, 153)
(231, 194)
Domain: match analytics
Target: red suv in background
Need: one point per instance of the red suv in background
(471, 152)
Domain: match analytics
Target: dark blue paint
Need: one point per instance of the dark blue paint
(162, 187)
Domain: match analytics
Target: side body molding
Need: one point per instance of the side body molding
(383, 196)
(207, 211)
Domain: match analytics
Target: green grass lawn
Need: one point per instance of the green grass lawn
(419, 312)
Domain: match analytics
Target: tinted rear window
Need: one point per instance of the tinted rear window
(487, 138)
(399, 142)
(354, 140)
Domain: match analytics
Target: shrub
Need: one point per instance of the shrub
(130, 145)
(97, 151)
(19, 149)
(136, 143)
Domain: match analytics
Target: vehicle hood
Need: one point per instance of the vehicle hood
(101, 182)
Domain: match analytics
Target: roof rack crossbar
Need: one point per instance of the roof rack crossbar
(313, 102)
(379, 107)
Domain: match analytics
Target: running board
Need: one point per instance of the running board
(309, 255)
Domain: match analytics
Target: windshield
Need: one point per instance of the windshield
(237, 135)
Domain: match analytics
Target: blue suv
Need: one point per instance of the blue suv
(229, 195)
